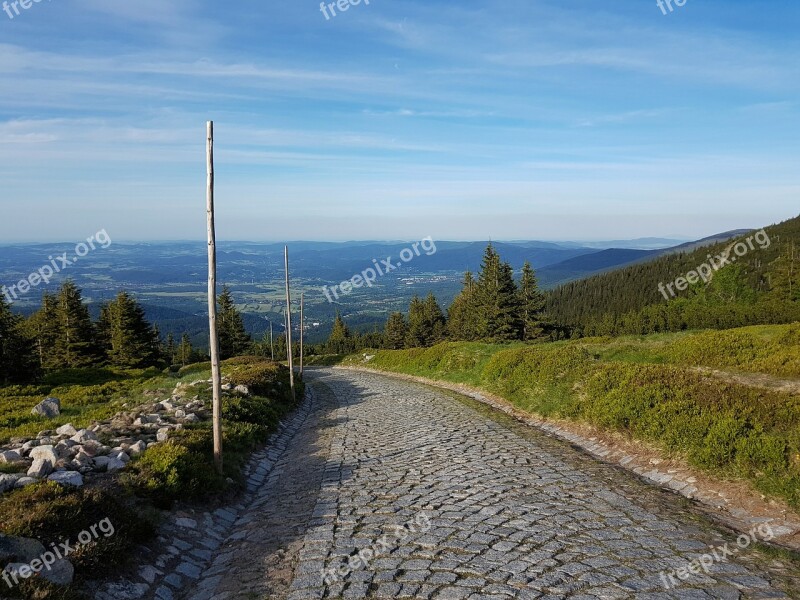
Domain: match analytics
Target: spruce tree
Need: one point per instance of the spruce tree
(185, 352)
(396, 332)
(75, 341)
(125, 336)
(169, 349)
(16, 356)
(462, 316)
(419, 327)
(532, 303)
(497, 299)
(42, 328)
(233, 338)
(437, 323)
(339, 341)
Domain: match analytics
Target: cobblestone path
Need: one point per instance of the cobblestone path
(396, 490)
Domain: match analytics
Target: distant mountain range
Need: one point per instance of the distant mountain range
(169, 278)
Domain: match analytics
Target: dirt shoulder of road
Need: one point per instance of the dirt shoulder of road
(734, 504)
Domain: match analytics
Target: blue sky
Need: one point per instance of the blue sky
(502, 119)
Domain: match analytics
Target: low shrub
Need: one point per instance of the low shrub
(52, 513)
(171, 471)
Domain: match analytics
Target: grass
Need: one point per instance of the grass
(643, 388)
(97, 397)
(769, 349)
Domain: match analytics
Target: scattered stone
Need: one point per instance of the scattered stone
(163, 434)
(8, 482)
(10, 456)
(46, 453)
(72, 478)
(180, 414)
(40, 468)
(48, 408)
(84, 435)
(138, 448)
(67, 430)
(243, 389)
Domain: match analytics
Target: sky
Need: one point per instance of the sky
(398, 119)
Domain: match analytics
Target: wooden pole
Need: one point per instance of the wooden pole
(302, 328)
(216, 378)
(289, 320)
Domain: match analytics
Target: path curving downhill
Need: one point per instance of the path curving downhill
(391, 489)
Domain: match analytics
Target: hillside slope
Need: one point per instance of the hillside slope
(759, 286)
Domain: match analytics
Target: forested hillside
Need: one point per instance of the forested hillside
(759, 285)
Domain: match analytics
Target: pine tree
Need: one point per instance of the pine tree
(420, 330)
(339, 341)
(125, 336)
(436, 321)
(16, 356)
(532, 303)
(75, 341)
(169, 349)
(42, 329)
(185, 351)
(396, 332)
(233, 338)
(497, 299)
(462, 316)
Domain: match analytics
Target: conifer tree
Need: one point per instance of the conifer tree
(339, 341)
(75, 341)
(42, 328)
(233, 338)
(462, 316)
(396, 332)
(170, 349)
(532, 303)
(436, 322)
(497, 299)
(16, 357)
(185, 351)
(419, 327)
(126, 337)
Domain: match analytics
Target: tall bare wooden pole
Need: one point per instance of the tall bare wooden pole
(216, 378)
(288, 320)
(302, 331)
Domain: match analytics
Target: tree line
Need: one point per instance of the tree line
(62, 335)
(761, 287)
(491, 307)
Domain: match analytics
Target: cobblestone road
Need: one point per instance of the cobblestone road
(442, 500)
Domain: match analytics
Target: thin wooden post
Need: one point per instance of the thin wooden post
(302, 331)
(289, 320)
(216, 378)
(271, 342)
